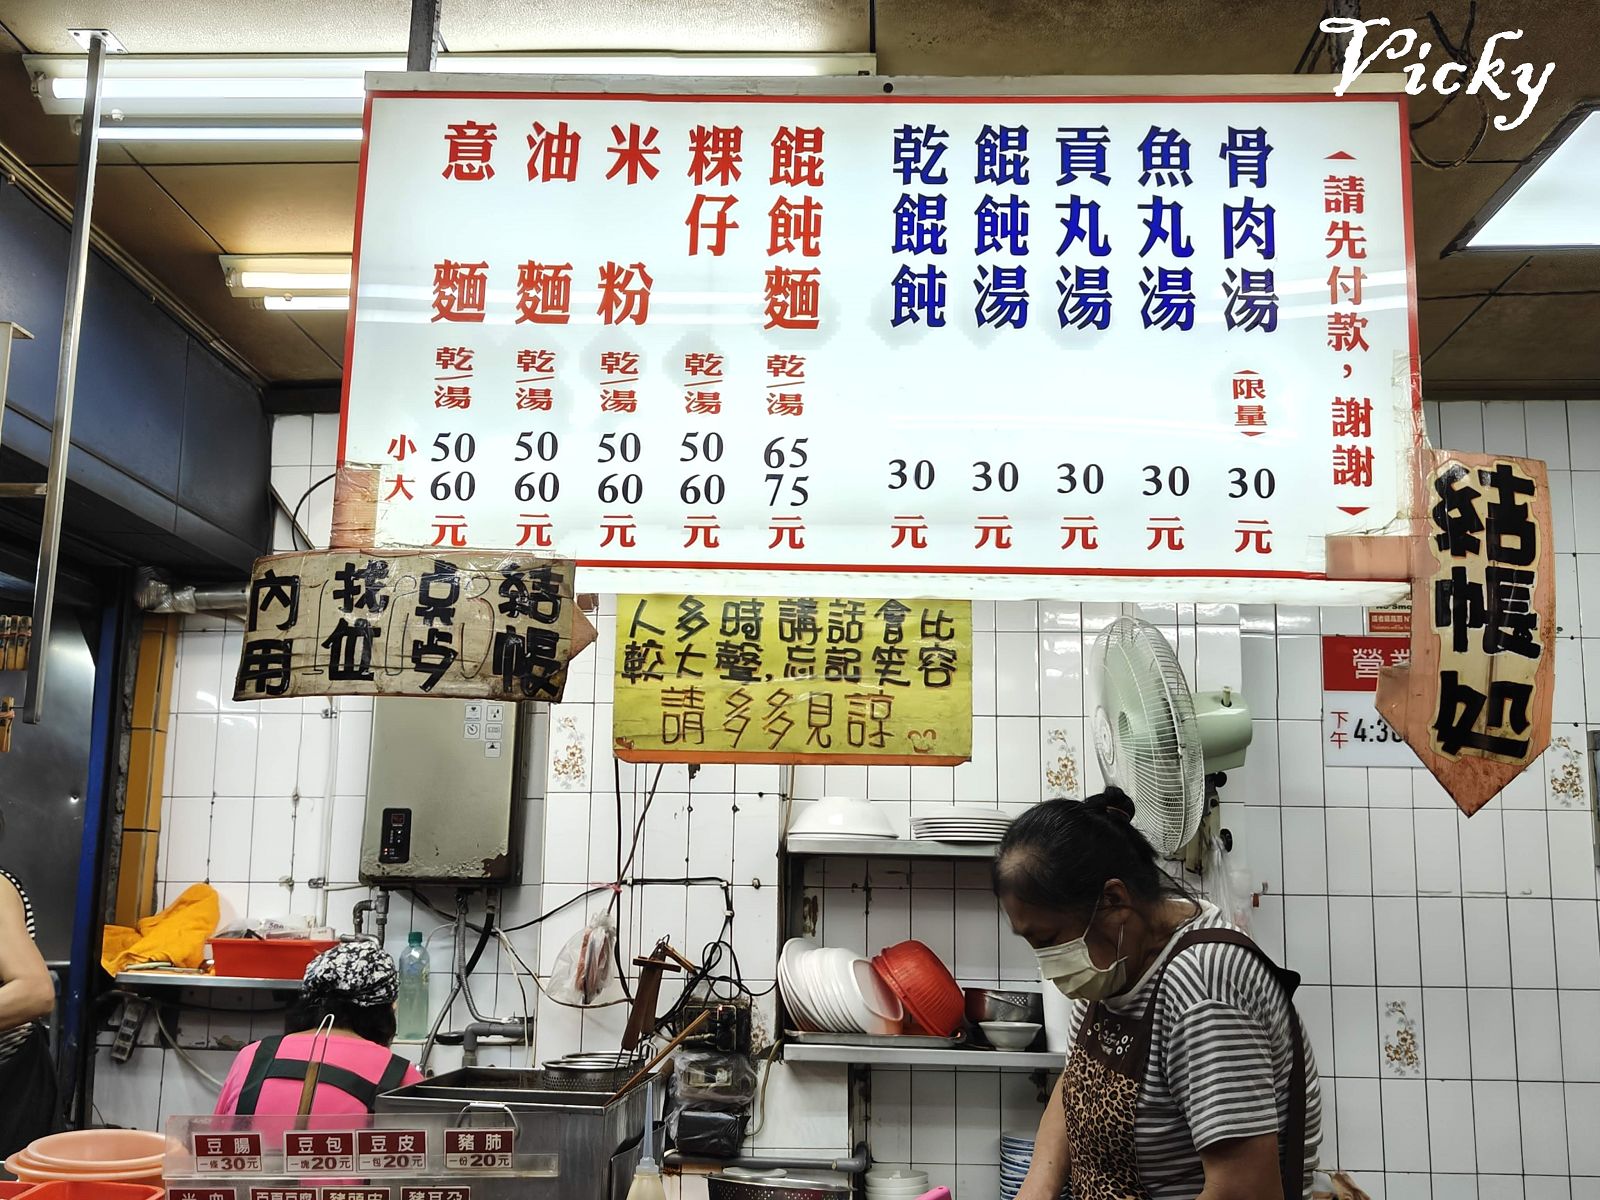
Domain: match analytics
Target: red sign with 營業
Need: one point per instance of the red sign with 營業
(1351, 664)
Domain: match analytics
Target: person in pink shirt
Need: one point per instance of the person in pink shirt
(354, 984)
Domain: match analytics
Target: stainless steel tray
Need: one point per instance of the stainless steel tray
(908, 1041)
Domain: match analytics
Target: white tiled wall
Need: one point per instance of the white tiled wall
(1477, 941)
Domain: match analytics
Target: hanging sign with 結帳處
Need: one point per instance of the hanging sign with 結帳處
(976, 344)
(1475, 700)
(793, 679)
(496, 625)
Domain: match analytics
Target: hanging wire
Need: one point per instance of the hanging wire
(1464, 55)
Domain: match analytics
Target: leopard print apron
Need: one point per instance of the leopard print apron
(1106, 1069)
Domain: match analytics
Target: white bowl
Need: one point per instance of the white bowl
(875, 1006)
(841, 816)
(793, 978)
(1010, 1035)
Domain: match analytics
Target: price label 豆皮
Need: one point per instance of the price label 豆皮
(391, 1150)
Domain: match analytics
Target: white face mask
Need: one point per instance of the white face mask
(1070, 968)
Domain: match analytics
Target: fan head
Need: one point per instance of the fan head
(1145, 732)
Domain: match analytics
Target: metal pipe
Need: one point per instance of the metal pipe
(856, 1164)
(156, 595)
(424, 40)
(329, 782)
(44, 583)
(380, 914)
(516, 1031)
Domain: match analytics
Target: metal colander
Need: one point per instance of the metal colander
(590, 1072)
(781, 1188)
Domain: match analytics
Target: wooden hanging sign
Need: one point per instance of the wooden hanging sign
(1475, 700)
(495, 624)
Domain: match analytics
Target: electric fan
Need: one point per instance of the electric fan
(1155, 739)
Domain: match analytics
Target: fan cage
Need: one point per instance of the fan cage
(1161, 766)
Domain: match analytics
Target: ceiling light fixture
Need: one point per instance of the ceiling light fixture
(214, 132)
(291, 281)
(308, 280)
(209, 91)
(1549, 201)
(306, 303)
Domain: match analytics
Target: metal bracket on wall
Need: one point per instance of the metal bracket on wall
(134, 1011)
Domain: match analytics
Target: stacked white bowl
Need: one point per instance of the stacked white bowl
(886, 1181)
(832, 990)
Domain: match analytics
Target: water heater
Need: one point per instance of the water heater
(443, 801)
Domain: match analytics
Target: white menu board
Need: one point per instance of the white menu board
(978, 345)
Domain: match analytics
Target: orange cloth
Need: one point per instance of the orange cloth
(177, 934)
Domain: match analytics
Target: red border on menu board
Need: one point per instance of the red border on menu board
(1399, 99)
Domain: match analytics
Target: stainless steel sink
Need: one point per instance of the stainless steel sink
(595, 1141)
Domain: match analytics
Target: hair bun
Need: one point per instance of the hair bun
(1113, 801)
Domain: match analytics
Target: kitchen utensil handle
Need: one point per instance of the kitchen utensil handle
(645, 1070)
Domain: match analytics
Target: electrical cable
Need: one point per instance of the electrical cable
(761, 1089)
(529, 1037)
(539, 920)
(294, 517)
(616, 896)
(171, 1041)
(1463, 55)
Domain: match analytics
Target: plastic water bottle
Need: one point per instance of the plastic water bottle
(412, 1019)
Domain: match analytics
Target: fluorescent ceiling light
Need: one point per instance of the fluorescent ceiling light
(275, 276)
(230, 133)
(306, 303)
(205, 88)
(265, 86)
(292, 281)
(1551, 201)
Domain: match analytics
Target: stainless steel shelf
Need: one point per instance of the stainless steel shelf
(895, 1056)
(172, 979)
(797, 843)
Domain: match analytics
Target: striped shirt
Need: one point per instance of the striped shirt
(1220, 1058)
(12, 1039)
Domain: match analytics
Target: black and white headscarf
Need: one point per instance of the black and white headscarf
(359, 972)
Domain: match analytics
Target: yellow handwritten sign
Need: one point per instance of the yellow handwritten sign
(793, 680)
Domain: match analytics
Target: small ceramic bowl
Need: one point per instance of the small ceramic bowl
(1010, 1035)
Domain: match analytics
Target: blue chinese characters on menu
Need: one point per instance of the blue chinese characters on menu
(1005, 228)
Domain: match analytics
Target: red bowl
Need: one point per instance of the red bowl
(925, 986)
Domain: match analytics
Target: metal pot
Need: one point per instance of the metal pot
(988, 1004)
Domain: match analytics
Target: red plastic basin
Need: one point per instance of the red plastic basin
(925, 986)
(263, 958)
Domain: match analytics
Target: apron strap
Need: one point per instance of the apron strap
(250, 1094)
(267, 1065)
(358, 1087)
(394, 1074)
(1292, 1164)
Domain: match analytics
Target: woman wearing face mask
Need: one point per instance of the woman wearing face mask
(1189, 1074)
